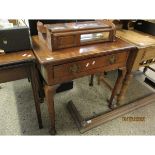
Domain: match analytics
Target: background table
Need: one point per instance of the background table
(145, 57)
(20, 65)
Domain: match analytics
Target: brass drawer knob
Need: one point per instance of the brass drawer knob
(112, 59)
(74, 68)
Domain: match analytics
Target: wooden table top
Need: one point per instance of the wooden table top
(140, 39)
(46, 56)
(16, 57)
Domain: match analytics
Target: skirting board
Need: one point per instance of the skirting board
(87, 124)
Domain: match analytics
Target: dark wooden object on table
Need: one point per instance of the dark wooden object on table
(67, 64)
(20, 65)
(58, 36)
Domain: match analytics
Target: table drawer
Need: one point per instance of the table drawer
(74, 68)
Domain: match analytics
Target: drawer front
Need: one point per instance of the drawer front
(65, 41)
(74, 68)
(149, 54)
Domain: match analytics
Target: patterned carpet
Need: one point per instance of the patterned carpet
(18, 117)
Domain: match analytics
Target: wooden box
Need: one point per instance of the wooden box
(58, 36)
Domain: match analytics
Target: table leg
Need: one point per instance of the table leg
(49, 95)
(105, 73)
(99, 78)
(145, 69)
(121, 74)
(91, 83)
(36, 95)
(124, 87)
(40, 86)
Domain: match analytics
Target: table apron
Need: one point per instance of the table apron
(14, 73)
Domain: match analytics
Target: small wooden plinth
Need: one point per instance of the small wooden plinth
(85, 124)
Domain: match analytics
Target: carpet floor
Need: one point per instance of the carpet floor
(18, 116)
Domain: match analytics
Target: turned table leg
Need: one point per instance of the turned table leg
(121, 74)
(124, 87)
(35, 88)
(49, 95)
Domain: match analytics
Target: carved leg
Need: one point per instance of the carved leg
(91, 83)
(35, 87)
(124, 87)
(145, 69)
(49, 94)
(121, 74)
